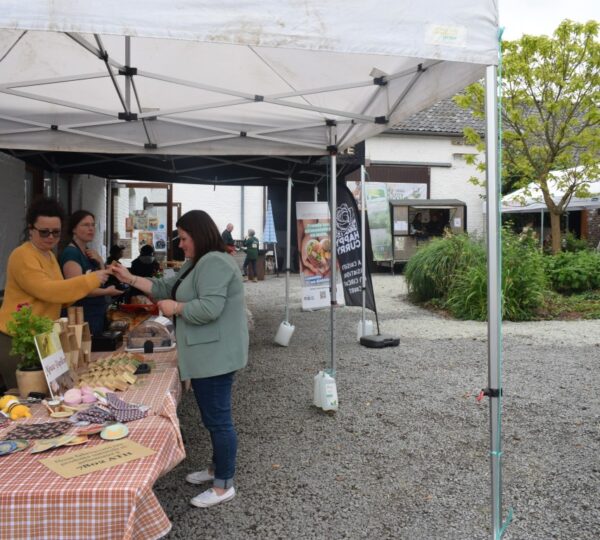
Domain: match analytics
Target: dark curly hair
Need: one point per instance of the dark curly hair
(44, 206)
(203, 231)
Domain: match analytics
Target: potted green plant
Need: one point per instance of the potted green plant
(23, 326)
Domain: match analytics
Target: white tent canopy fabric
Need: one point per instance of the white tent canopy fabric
(530, 198)
(242, 78)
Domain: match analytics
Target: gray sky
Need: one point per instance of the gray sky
(543, 16)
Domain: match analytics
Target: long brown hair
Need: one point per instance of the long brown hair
(203, 232)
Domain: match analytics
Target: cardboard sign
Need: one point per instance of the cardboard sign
(99, 457)
(54, 363)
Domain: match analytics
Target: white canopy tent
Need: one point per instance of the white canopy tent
(251, 78)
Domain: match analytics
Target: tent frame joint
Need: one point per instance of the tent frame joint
(380, 81)
(381, 120)
(492, 392)
(128, 71)
(128, 116)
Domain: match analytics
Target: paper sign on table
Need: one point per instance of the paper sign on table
(98, 458)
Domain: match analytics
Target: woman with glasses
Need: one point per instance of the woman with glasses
(77, 259)
(33, 277)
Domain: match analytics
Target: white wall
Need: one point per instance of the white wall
(223, 203)
(447, 182)
(89, 193)
(13, 205)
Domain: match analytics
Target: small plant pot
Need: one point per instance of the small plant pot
(31, 381)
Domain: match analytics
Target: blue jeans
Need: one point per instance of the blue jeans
(252, 263)
(213, 395)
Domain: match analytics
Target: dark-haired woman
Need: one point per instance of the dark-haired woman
(33, 277)
(207, 302)
(77, 259)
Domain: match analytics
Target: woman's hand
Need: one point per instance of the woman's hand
(121, 273)
(112, 291)
(168, 307)
(95, 256)
(103, 275)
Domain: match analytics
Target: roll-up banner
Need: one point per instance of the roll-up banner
(314, 254)
(349, 251)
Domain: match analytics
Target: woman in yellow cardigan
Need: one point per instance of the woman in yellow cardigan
(34, 277)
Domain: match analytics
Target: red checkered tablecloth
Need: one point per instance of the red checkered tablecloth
(36, 503)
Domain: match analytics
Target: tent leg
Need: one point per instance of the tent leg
(333, 277)
(363, 244)
(288, 249)
(494, 263)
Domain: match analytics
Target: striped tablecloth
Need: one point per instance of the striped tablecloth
(36, 503)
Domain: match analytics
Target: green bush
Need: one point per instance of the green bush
(453, 269)
(431, 270)
(523, 283)
(571, 243)
(570, 272)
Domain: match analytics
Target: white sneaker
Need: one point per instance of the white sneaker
(210, 498)
(200, 477)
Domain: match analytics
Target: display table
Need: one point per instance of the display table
(115, 503)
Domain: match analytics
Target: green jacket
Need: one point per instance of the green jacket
(251, 244)
(212, 330)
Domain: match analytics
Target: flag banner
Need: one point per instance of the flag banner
(349, 250)
(314, 254)
(269, 236)
(380, 221)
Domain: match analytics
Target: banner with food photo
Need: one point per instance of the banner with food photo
(314, 250)
(349, 251)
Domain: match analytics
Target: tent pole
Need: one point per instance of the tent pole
(333, 276)
(128, 77)
(494, 266)
(288, 249)
(362, 247)
(315, 193)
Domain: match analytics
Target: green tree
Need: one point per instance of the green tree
(550, 116)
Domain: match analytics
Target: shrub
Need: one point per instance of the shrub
(570, 272)
(523, 283)
(431, 270)
(571, 243)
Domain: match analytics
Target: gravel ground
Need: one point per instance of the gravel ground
(406, 455)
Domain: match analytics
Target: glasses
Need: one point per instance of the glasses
(45, 233)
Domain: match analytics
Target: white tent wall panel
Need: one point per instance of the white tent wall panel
(12, 209)
(449, 180)
(452, 31)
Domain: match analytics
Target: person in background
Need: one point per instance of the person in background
(115, 255)
(418, 228)
(228, 238)
(435, 227)
(77, 259)
(145, 265)
(206, 300)
(250, 245)
(33, 277)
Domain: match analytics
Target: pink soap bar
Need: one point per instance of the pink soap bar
(73, 396)
(88, 398)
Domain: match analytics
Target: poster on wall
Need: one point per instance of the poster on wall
(405, 190)
(380, 221)
(145, 238)
(160, 240)
(54, 363)
(140, 219)
(314, 254)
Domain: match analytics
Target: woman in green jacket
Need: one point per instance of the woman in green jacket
(206, 300)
